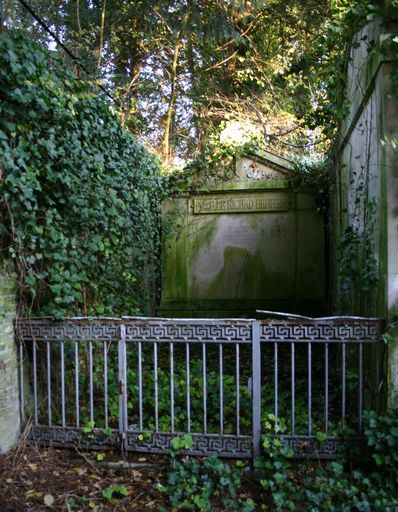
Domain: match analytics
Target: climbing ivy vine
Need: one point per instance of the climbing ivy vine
(79, 196)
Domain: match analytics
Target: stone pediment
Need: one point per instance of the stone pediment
(259, 170)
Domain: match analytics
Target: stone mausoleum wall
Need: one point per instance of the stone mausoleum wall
(9, 394)
(251, 242)
(365, 193)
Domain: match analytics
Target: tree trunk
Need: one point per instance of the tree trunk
(166, 152)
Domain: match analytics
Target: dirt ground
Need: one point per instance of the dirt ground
(51, 479)
(45, 479)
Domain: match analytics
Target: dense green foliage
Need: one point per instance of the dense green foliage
(161, 388)
(382, 436)
(79, 196)
(203, 485)
(181, 69)
(367, 482)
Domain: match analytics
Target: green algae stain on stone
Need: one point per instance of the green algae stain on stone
(9, 396)
(238, 249)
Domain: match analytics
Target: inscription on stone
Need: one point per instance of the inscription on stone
(243, 203)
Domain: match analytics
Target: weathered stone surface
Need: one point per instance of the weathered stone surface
(253, 242)
(365, 193)
(9, 396)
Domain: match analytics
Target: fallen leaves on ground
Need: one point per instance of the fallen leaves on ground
(33, 479)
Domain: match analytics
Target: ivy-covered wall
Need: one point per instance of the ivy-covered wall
(79, 196)
(9, 397)
(364, 217)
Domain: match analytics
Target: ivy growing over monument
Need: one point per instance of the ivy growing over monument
(79, 196)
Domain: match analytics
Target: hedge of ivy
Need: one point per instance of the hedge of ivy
(79, 196)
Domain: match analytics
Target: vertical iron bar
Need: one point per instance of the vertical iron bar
(156, 378)
(293, 386)
(140, 423)
(221, 383)
(276, 379)
(172, 385)
(376, 348)
(188, 377)
(91, 379)
(309, 388)
(204, 379)
(256, 388)
(77, 405)
(106, 383)
(237, 390)
(63, 382)
(35, 383)
(49, 384)
(326, 387)
(122, 361)
(360, 401)
(343, 384)
(21, 382)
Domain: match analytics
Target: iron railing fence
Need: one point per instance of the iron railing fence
(136, 383)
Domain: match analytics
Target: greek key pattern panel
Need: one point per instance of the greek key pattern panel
(49, 330)
(365, 331)
(222, 331)
(309, 447)
(203, 445)
(69, 437)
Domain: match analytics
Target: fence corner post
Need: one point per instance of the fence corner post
(256, 388)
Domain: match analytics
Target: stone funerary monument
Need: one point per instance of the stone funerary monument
(250, 242)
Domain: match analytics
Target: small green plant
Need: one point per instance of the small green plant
(115, 492)
(144, 436)
(88, 427)
(321, 436)
(276, 463)
(87, 432)
(203, 485)
(184, 442)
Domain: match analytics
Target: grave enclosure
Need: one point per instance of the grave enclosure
(250, 242)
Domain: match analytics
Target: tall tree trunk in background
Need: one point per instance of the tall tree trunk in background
(79, 26)
(101, 41)
(195, 98)
(166, 152)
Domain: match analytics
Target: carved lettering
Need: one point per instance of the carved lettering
(249, 203)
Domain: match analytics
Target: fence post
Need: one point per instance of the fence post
(122, 382)
(256, 388)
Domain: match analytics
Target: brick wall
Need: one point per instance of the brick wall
(9, 396)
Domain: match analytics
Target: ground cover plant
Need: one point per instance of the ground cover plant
(363, 477)
(203, 485)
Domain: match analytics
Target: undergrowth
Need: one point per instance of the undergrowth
(363, 478)
(365, 481)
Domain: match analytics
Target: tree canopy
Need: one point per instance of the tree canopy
(181, 70)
